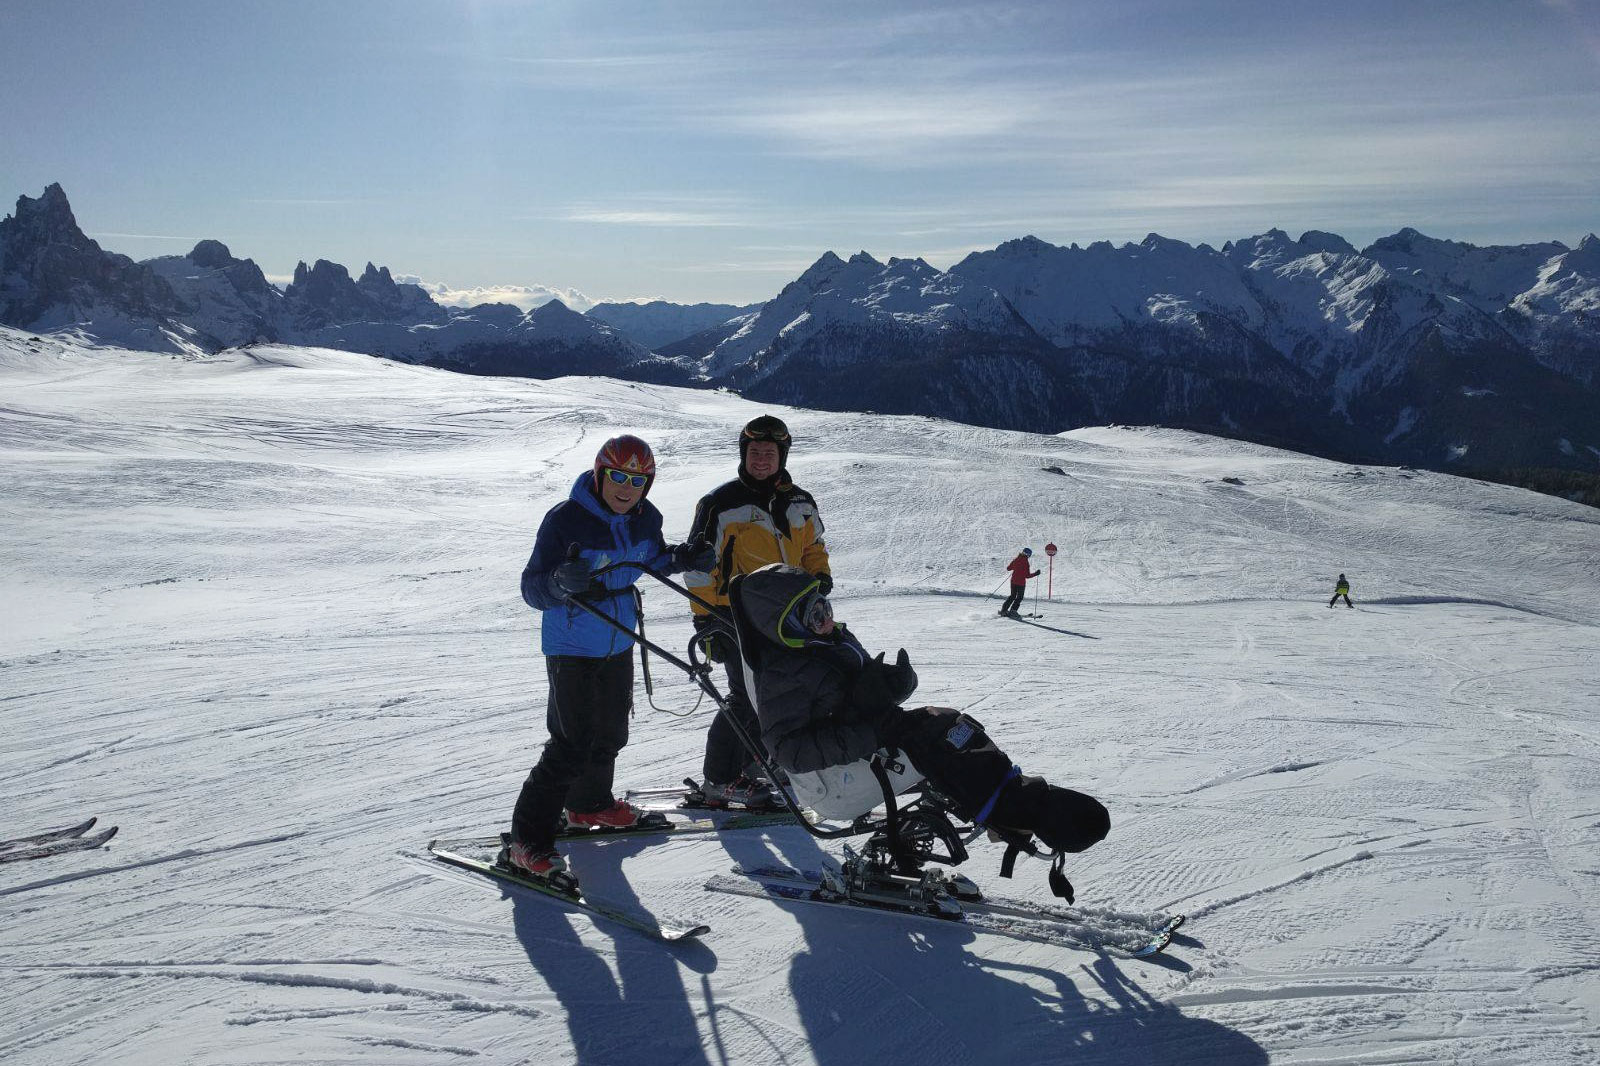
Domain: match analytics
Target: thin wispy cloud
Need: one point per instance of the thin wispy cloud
(294, 202)
(141, 236)
(619, 216)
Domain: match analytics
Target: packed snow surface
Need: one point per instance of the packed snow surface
(262, 614)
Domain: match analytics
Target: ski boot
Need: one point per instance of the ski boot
(620, 815)
(742, 792)
(545, 866)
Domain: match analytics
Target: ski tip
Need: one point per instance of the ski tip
(693, 932)
(1154, 947)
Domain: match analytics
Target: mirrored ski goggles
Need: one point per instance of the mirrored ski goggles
(622, 477)
(816, 612)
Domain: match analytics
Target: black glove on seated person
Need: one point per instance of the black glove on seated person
(881, 685)
(902, 679)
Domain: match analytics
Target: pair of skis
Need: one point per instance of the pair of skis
(665, 811)
(1132, 934)
(54, 842)
(486, 857)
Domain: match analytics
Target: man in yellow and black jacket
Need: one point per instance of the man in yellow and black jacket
(759, 517)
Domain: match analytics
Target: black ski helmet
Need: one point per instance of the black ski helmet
(767, 428)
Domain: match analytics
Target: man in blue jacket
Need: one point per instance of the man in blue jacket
(605, 520)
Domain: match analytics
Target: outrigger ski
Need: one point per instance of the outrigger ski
(638, 920)
(57, 844)
(50, 834)
(1133, 935)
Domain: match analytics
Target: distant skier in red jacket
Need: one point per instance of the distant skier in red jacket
(1020, 573)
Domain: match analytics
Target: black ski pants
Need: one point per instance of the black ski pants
(590, 701)
(1014, 601)
(726, 755)
(1336, 596)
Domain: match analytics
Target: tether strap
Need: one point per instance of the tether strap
(983, 815)
(1058, 880)
(1008, 864)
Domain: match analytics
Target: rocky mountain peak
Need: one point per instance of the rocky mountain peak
(553, 310)
(213, 255)
(826, 263)
(1024, 247)
(1587, 253)
(1407, 241)
(1316, 240)
(376, 277)
(47, 219)
(1155, 242)
(54, 272)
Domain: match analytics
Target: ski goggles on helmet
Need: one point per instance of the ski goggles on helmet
(816, 612)
(776, 433)
(622, 477)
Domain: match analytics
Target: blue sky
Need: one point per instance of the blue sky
(711, 151)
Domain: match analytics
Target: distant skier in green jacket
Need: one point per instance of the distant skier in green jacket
(1341, 589)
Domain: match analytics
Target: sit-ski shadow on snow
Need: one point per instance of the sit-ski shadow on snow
(885, 988)
(638, 1016)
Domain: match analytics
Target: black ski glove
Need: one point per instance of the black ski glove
(825, 584)
(693, 555)
(902, 680)
(714, 640)
(571, 578)
(880, 685)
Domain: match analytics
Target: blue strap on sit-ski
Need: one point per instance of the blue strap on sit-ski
(982, 816)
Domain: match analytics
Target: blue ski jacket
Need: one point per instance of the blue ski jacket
(603, 537)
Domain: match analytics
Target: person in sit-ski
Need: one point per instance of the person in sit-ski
(823, 701)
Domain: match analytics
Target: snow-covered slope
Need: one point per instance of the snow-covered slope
(262, 613)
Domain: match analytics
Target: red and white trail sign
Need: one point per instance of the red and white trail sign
(1050, 550)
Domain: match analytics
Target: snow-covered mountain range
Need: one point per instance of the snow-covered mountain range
(53, 277)
(659, 323)
(1413, 350)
